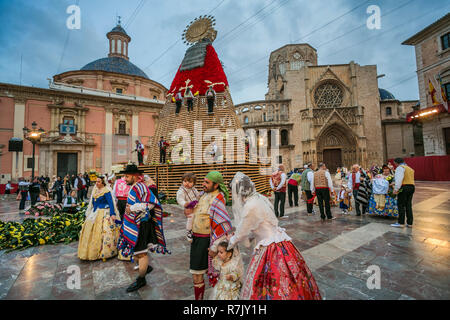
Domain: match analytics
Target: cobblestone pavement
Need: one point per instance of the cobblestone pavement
(414, 263)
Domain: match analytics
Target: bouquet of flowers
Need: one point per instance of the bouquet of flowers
(44, 209)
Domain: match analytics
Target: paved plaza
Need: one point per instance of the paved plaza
(414, 263)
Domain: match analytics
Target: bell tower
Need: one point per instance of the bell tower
(118, 42)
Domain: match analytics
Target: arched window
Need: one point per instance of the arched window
(246, 120)
(119, 46)
(284, 137)
(388, 111)
(122, 127)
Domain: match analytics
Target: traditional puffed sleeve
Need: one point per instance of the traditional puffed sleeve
(110, 201)
(141, 206)
(181, 198)
(250, 221)
(237, 268)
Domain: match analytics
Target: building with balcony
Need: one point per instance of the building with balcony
(432, 47)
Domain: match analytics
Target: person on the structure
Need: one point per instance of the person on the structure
(307, 181)
(142, 227)
(210, 98)
(210, 225)
(100, 231)
(323, 187)
(162, 144)
(139, 151)
(278, 185)
(178, 102)
(189, 99)
(277, 270)
(404, 189)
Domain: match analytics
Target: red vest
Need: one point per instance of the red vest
(122, 189)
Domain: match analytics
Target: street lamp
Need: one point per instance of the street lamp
(34, 136)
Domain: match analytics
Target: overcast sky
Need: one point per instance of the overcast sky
(37, 32)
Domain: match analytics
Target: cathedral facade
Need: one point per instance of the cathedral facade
(324, 113)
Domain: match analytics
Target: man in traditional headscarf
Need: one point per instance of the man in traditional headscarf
(211, 223)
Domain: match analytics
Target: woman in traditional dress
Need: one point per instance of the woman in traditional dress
(100, 231)
(277, 270)
(390, 208)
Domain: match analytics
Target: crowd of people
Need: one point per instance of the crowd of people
(124, 219)
(385, 190)
(69, 191)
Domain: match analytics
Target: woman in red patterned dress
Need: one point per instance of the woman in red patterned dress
(277, 271)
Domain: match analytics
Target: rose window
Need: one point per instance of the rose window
(328, 95)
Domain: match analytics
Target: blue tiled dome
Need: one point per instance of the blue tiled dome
(386, 95)
(119, 28)
(115, 64)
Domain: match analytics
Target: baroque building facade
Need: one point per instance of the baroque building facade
(91, 116)
(324, 113)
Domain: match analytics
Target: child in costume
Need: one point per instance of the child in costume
(344, 198)
(380, 187)
(187, 197)
(229, 263)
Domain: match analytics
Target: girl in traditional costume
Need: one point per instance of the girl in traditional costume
(277, 270)
(389, 207)
(229, 264)
(100, 231)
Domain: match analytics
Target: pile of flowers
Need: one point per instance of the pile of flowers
(60, 227)
(44, 209)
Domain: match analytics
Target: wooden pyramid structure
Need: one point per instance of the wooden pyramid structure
(199, 70)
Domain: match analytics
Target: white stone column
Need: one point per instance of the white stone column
(19, 123)
(107, 152)
(134, 133)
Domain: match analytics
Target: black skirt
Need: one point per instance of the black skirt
(146, 236)
(199, 253)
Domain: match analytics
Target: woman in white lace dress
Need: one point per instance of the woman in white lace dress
(277, 271)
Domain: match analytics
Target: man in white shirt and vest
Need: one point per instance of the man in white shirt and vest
(278, 185)
(404, 189)
(307, 181)
(323, 185)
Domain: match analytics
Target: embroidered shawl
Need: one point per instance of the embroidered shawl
(140, 193)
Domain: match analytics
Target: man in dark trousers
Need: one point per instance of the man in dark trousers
(210, 98)
(354, 182)
(278, 185)
(307, 180)
(140, 152)
(80, 185)
(323, 185)
(162, 144)
(35, 189)
(23, 189)
(404, 189)
(58, 189)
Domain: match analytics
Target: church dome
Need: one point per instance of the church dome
(115, 64)
(386, 95)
